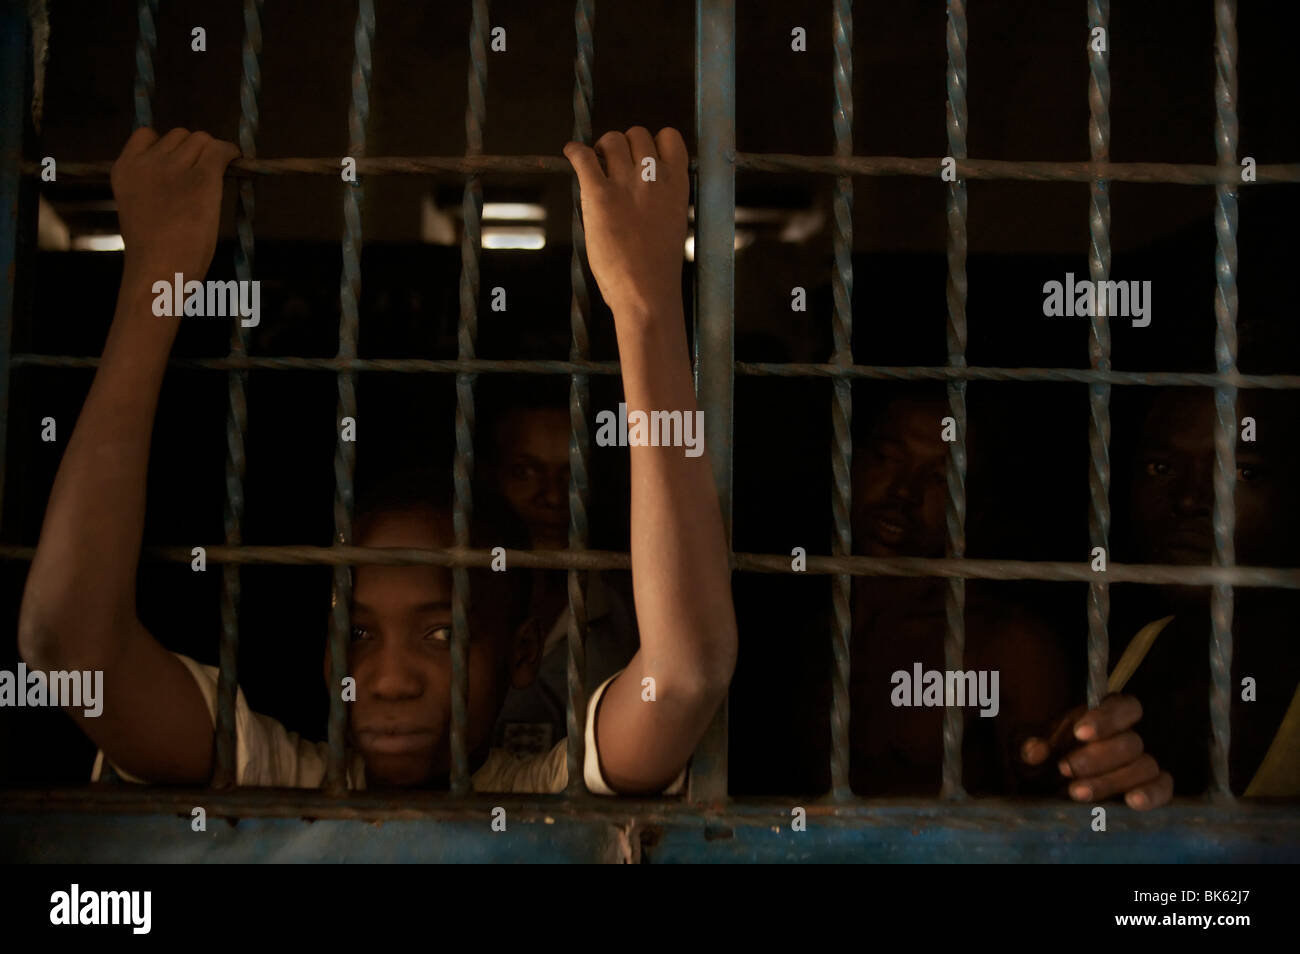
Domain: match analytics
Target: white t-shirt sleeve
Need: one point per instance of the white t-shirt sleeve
(266, 753)
(592, 772)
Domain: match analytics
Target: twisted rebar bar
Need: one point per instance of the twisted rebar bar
(1225, 396)
(1168, 173)
(467, 333)
(748, 368)
(345, 451)
(579, 394)
(842, 404)
(913, 567)
(250, 88)
(1099, 351)
(954, 644)
(145, 45)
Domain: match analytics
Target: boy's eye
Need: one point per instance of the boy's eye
(1247, 474)
(359, 633)
(1157, 468)
(440, 635)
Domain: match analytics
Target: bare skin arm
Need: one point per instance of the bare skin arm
(680, 574)
(78, 608)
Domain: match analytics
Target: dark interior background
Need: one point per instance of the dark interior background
(1028, 83)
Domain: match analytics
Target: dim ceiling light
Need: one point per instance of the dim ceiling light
(496, 236)
(514, 211)
(98, 243)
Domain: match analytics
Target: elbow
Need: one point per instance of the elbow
(61, 635)
(40, 625)
(706, 675)
(38, 644)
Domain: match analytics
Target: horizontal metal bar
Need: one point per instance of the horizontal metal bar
(749, 368)
(1044, 570)
(1172, 173)
(332, 166)
(405, 365)
(950, 568)
(1065, 375)
(1025, 170)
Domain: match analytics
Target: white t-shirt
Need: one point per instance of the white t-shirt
(268, 754)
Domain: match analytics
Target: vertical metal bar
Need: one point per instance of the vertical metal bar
(13, 81)
(467, 334)
(250, 88)
(715, 273)
(146, 43)
(579, 396)
(1099, 351)
(842, 401)
(345, 451)
(1225, 397)
(954, 644)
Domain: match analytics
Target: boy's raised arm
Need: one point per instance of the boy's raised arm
(79, 609)
(635, 221)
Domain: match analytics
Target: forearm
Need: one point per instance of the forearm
(680, 576)
(81, 587)
(680, 573)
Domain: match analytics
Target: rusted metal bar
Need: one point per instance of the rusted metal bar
(146, 44)
(345, 450)
(467, 333)
(954, 643)
(842, 403)
(13, 81)
(1283, 578)
(752, 369)
(396, 365)
(715, 279)
(1225, 396)
(1098, 351)
(1169, 173)
(250, 88)
(1060, 375)
(579, 397)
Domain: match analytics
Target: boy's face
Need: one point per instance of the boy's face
(1173, 483)
(899, 482)
(400, 655)
(532, 473)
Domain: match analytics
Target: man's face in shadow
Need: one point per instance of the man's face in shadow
(1173, 481)
(532, 472)
(900, 483)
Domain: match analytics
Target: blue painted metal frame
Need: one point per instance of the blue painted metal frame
(155, 825)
